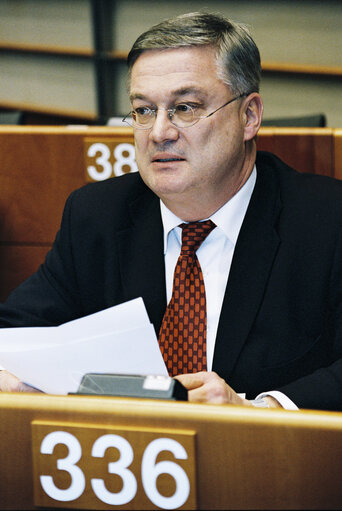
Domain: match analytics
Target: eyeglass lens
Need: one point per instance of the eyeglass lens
(182, 115)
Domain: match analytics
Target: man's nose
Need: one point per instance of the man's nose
(162, 128)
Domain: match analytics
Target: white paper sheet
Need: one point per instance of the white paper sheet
(127, 315)
(118, 340)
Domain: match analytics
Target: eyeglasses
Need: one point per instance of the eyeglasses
(181, 116)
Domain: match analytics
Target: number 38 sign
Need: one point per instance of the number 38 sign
(91, 467)
(110, 157)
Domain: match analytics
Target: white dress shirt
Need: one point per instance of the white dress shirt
(215, 257)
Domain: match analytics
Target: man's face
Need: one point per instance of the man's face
(204, 162)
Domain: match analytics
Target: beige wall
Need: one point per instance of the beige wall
(302, 31)
(288, 31)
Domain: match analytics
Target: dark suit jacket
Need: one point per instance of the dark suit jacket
(281, 320)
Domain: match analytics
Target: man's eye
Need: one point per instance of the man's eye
(142, 111)
(185, 108)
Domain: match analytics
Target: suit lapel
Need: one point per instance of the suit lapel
(251, 266)
(141, 255)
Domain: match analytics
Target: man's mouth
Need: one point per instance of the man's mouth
(168, 159)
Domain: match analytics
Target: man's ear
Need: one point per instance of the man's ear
(253, 109)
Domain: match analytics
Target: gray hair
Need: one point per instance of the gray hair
(238, 57)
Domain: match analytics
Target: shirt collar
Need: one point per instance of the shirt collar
(228, 218)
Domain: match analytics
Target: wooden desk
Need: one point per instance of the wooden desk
(239, 458)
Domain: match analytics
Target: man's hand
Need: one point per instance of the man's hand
(10, 383)
(208, 387)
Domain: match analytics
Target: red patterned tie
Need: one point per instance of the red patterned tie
(182, 336)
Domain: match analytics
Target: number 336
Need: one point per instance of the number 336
(150, 470)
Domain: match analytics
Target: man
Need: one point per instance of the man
(271, 263)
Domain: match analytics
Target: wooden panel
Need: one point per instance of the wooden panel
(338, 153)
(306, 150)
(40, 167)
(246, 458)
(17, 263)
(38, 171)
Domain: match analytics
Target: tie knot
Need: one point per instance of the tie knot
(193, 234)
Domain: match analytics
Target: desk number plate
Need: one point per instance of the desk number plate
(86, 466)
(105, 158)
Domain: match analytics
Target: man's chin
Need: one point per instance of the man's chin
(168, 181)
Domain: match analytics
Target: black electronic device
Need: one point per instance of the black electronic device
(150, 387)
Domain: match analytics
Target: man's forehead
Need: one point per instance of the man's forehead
(178, 71)
(178, 52)
(193, 89)
(161, 62)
